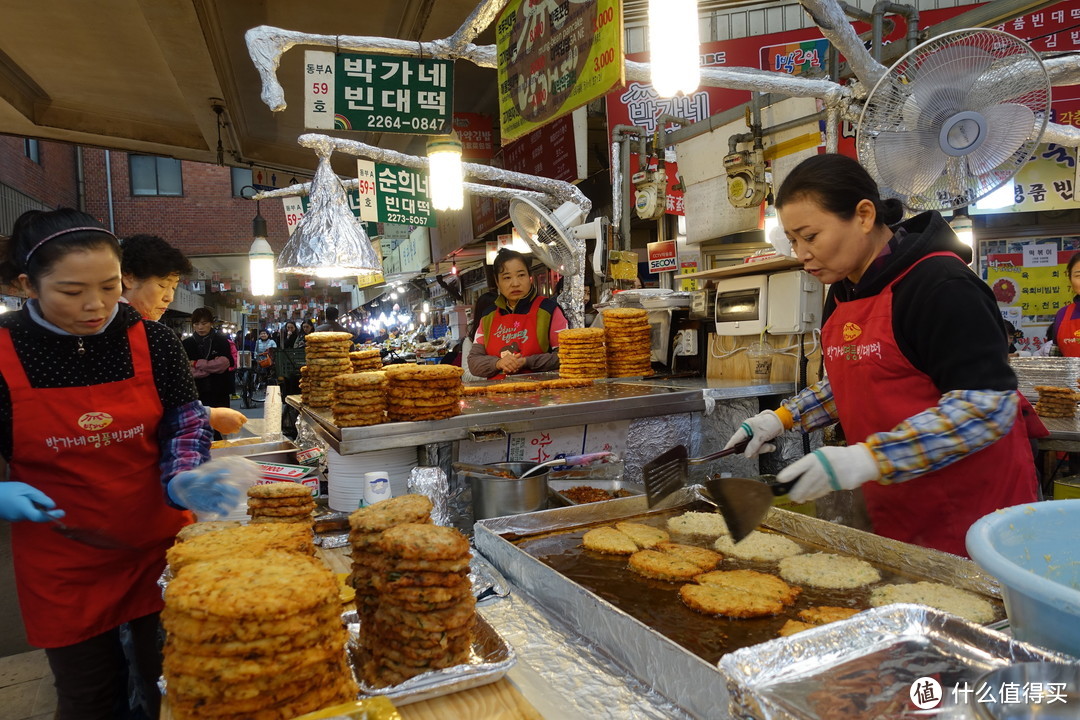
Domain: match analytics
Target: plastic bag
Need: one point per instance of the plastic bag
(222, 482)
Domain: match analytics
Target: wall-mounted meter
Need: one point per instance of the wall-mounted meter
(796, 300)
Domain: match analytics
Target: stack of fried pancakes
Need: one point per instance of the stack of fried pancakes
(366, 526)
(365, 360)
(242, 541)
(1056, 402)
(628, 341)
(359, 399)
(253, 638)
(426, 608)
(581, 353)
(280, 502)
(326, 356)
(423, 392)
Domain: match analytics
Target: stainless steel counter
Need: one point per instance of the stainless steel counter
(1064, 434)
(485, 416)
(726, 389)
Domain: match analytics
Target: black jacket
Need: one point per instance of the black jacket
(945, 318)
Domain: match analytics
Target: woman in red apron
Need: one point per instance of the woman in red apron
(1064, 332)
(916, 364)
(519, 334)
(151, 270)
(98, 414)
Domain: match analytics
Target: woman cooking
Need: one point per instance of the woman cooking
(1064, 332)
(151, 269)
(520, 333)
(99, 424)
(941, 442)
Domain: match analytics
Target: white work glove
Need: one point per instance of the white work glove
(761, 428)
(828, 469)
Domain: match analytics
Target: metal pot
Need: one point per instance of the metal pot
(495, 496)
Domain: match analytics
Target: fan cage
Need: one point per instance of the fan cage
(961, 70)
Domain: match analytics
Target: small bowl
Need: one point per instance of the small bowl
(1025, 676)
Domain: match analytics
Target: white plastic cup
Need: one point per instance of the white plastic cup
(376, 486)
(760, 357)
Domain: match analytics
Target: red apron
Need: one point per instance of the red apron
(515, 333)
(94, 450)
(936, 509)
(1067, 337)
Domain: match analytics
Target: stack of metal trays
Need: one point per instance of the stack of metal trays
(1053, 371)
(642, 624)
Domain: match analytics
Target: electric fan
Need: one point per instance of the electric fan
(558, 240)
(954, 118)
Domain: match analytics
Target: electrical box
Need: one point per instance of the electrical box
(795, 304)
(740, 305)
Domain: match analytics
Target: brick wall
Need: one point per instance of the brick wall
(51, 182)
(205, 220)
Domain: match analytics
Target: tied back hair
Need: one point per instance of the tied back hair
(837, 184)
(34, 225)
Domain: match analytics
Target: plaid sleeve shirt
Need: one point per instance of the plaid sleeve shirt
(962, 422)
(184, 436)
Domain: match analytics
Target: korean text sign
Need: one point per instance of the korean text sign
(1034, 280)
(379, 93)
(393, 194)
(554, 56)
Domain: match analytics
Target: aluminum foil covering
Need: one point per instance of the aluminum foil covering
(580, 679)
(651, 437)
(266, 45)
(328, 235)
(490, 659)
(648, 655)
(559, 189)
(835, 26)
(432, 483)
(745, 78)
(332, 540)
(616, 196)
(494, 191)
(865, 666)
(488, 584)
(1054, 371)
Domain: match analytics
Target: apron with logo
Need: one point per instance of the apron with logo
(94, 451)
(1067, 337)
(514, 333)
(936, 509)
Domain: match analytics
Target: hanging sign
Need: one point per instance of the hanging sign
(377, 93)
(1035, 280)
(296, 207)
(553, 58)
(662, 257)
(476, 134)
(393, 194)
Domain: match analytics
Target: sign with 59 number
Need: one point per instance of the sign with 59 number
(379, 93)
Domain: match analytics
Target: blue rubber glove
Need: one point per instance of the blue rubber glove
(204, 491)
(17, 503)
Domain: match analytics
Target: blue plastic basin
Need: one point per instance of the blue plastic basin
(1034, 552)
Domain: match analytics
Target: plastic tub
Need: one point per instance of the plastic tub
(1034, 552)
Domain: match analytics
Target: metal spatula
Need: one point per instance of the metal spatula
(670, 471)
(94, 538)
(744, 502)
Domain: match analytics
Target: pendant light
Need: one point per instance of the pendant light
(260, 256)
(446, 182)
(328, 241)
(674, 47)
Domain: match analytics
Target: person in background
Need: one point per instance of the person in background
(941, 439)
(521, 332)
(289, 335)
(100, 423)
(306, 328)
(264, 345)
(331, 323)
(210, 359)
(151, 270)
(1064, 332)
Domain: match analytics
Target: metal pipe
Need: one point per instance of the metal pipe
(622, 131)
(80, 179)
(734, 140)
(832, 132)
(620, 187)
(108, 191)
(910, 15)
(616, 187)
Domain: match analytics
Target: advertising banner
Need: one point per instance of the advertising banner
(477, 135)
(555, 57)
